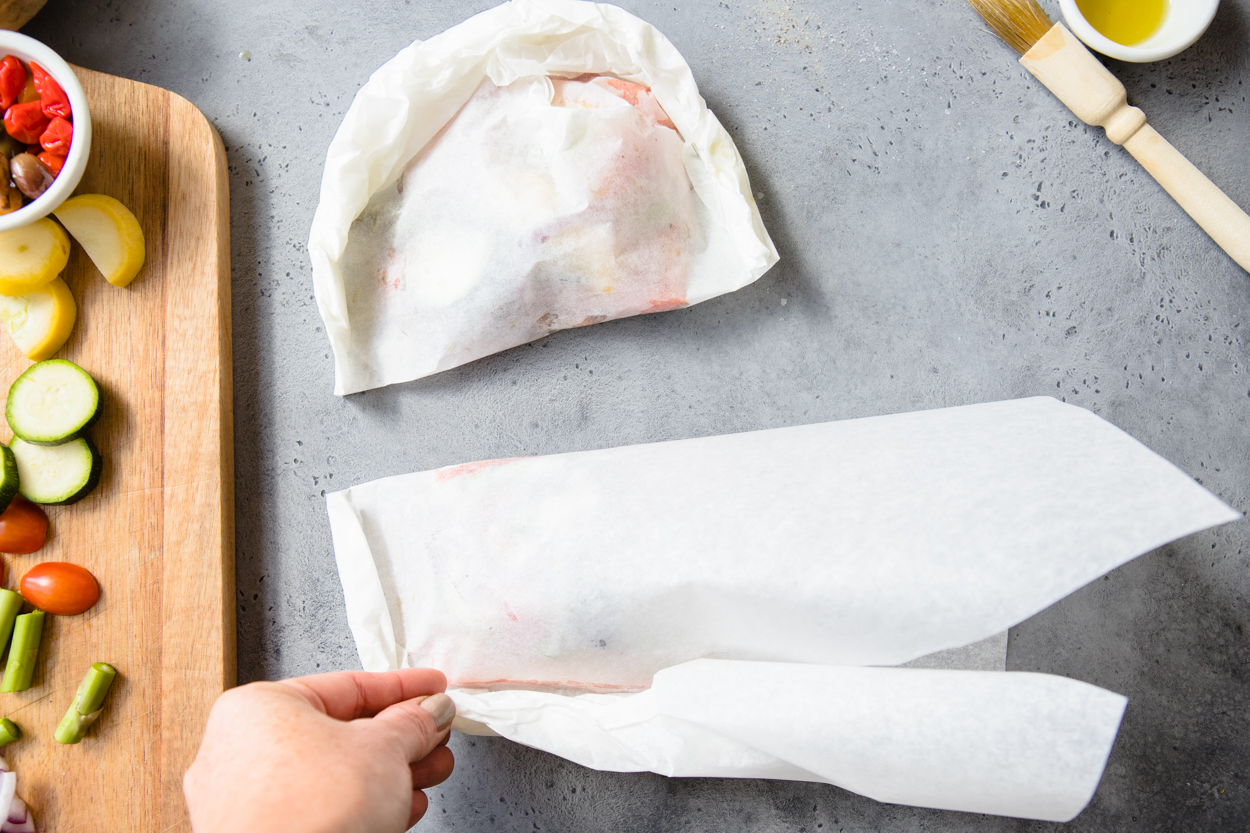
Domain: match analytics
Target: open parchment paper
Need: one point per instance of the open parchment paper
(457, 219)
(869, 542)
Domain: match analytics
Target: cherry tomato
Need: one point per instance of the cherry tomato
(60, 588)
(12, 80)
(25, 122)
(23, 527)
(57, 137)
(54, 100)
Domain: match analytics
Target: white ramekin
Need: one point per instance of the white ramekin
(1184, 21)
(28, 49)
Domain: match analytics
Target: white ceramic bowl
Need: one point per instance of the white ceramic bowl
(1184, 21)
(29, 49)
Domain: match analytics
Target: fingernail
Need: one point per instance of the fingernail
(442, 708)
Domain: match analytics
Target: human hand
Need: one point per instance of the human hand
(347, 752)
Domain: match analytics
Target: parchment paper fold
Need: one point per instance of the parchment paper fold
(1011, 744)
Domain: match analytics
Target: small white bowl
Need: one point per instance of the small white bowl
(1184, 21)
(28, 49)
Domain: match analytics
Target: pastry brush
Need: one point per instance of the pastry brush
(1079, 80)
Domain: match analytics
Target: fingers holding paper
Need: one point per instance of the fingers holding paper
(378, 739)
(348, 695)
(415, 727)
(416, 724)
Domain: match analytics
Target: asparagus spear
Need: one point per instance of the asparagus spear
(20, 669)
(87, 705)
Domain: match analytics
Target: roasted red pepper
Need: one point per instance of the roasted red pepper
(55, 101)
(56, 139)
(52, 162)
(26, 122)
(12, 80)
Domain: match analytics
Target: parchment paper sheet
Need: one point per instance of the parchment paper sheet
(411, 97)
(868, 542)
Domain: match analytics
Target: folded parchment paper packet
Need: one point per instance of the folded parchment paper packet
(866, 542)
(546, 209)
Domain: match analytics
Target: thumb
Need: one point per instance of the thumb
(416, 726)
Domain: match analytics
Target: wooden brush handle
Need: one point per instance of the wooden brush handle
(1072, 73)
(1210, 207)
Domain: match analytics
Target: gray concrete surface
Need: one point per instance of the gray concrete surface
(949, 234)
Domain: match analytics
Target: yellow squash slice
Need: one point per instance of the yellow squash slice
(31, 256)
(108, 233)
(40, 322)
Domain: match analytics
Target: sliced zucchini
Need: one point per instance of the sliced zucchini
(8, 477)
(64, 473)
(52, 402)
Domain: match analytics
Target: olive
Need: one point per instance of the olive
(30, 176)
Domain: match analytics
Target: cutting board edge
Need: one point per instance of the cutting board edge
(199, 392)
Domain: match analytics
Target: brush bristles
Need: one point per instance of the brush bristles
(1021, 23)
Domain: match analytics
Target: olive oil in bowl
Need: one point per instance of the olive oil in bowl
(1126, 22)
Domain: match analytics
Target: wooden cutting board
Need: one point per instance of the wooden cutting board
(158, 532)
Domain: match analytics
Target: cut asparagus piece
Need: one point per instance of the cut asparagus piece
(20, 669)
(10, 606)
(9, 731)
(88, 703)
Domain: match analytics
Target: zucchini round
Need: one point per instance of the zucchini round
(56, 474)
(8, 477)
(52, 402)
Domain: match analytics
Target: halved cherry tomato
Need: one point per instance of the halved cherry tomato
(12, 80)
(55, 101)
(26, 122)
(57, 137)
(23, 527)
(60, 588)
